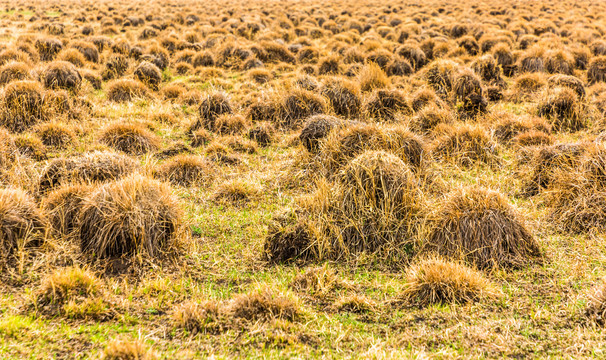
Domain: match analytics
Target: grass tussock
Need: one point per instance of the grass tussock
(132, 216)
(480, 227)
(435, 281)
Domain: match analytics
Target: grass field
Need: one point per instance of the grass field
(302, 179)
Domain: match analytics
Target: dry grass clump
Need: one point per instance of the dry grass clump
(288, 238)
(48, 48)
(355, 303)
(72, 292)
(548, 162)
(237, 144)
(466, 83)
(93, 167)
(173, 92)
(437, 281)
(343, 96)
(378, 204)
(206, 317)
(440, 75)
(22, 224)
(479, 226)
(562, 107)
(346, 143)
(212, 106)
(8, 149)
(428, 119)
(13, 71)
(149, 74)
(128, 350)
(578, 195)
(263, 304)
(317, 128)
(262, 133)
(569, 81)
(30, 146)
(229, 124)
(201, 137)
(596, 71)
(62, 75)
(22, 105)
(238, 191)
(55, 135)
(533, 138)
(595, 309)
(72, 56)
(93, 78)
(115, 67)
(489, 70)
(187, 170)
(125, 90)
(87, 49)
(386, 105)
(297, 105)
(526, 86)
(131, 138)
(132, 216)
(372, 77)
(507, 126)
(62, 207)
(466, 145)
(318, 281)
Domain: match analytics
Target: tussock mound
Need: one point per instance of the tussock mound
(22, 105)
(74, 293)
(132, 216)
(385, 105)
(379, 202)
(212, 106)
(262, 133)
(125, 90)
(92, 167)
(480, 227)
(288, 238)
(437, 281)
(63, 205)
(62, 75)
(317, 128)
(563, 109)
(21, 223)
(345, 144)
(187, 170)
(548, 161)
(595, 309)
(343, 96)
(263, 304)
(149, 74)
(297, 105)
(596, 72)
(48, 48)
(428, 119)
(578, 195)
(8, 149)
(13, 71)
(131, 138)
(466, 145)
(55, 135)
